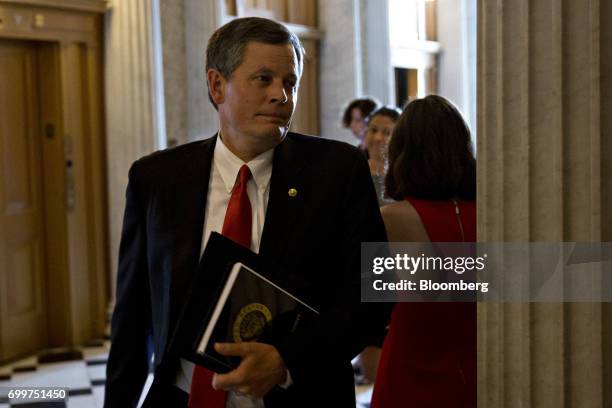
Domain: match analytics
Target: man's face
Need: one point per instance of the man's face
(257, 101)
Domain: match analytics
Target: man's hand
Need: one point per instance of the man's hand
(260, 369)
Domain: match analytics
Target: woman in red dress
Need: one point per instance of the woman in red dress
(429, 355)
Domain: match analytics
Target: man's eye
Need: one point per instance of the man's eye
(263, 78)
(290, 84)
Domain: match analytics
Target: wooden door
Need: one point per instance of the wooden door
(22, 246)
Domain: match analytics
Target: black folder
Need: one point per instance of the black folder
(234, 298)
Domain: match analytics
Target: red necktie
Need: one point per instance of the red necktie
(237, 226)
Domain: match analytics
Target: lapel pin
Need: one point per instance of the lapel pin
(292, 192)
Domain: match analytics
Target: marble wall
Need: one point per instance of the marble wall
(201, 19)
(378, 76)
(172, 16)
(340, 64)
(354, 59)
(185, 28)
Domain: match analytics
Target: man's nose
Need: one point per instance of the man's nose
(278, 93)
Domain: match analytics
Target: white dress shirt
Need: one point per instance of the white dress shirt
(224, 171)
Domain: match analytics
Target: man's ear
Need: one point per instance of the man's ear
(216, 86)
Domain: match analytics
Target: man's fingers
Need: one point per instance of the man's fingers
(234, 378)
(261, 367)
(232, 349)
(228, 381)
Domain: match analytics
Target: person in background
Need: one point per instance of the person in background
(354, 118)
(429, 354)
(380, 124)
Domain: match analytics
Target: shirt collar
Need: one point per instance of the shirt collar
(228, 165)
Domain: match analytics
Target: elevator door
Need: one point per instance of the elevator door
(22, 247)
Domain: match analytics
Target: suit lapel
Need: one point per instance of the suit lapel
(287, 193)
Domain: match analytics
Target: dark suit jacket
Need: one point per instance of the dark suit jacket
(318, 233)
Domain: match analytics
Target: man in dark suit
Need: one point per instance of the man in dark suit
(310, 203)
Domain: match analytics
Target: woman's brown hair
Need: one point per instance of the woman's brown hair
(431, 154)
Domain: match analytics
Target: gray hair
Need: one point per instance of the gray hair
(227, 44)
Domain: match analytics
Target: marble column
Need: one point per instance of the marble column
(378, 77)
(341, 76)
(544, 174)
(186, 26)
(172, 16)
(202, 18)
(132, 103)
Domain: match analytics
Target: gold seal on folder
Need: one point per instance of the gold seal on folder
(251, 322)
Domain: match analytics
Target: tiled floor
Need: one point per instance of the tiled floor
(83, 378)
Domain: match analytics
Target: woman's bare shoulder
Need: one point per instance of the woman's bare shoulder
(401, 212)
(403, 223)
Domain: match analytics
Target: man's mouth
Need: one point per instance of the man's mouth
(278, 116)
